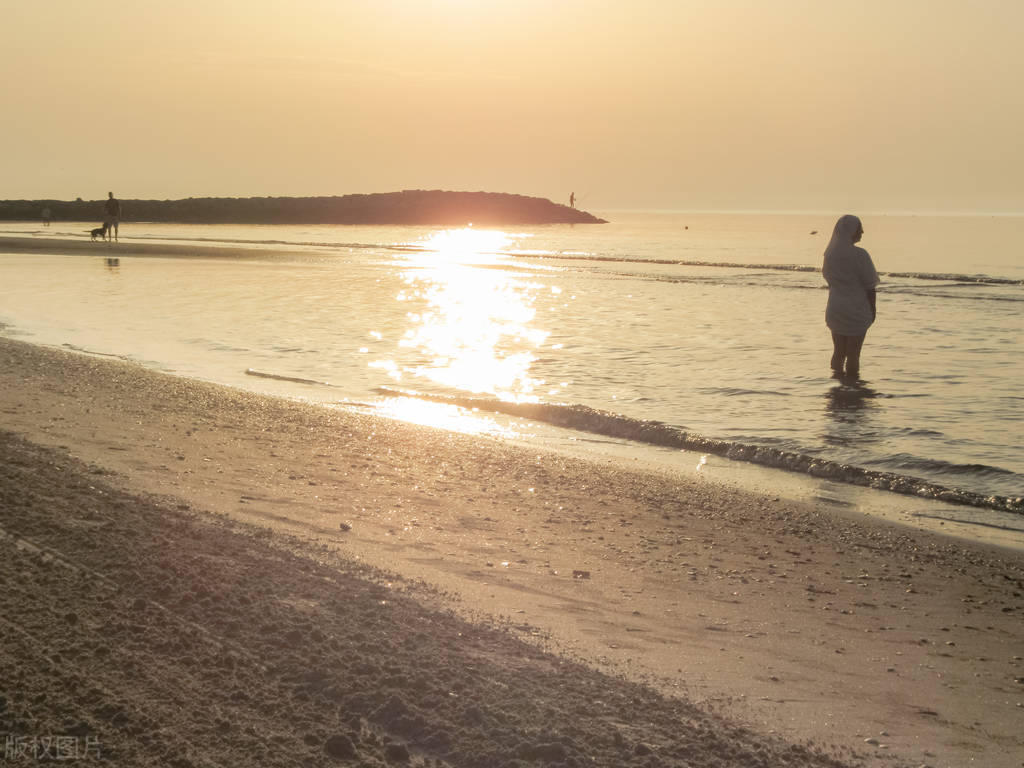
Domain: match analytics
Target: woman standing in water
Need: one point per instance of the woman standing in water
(852, 280)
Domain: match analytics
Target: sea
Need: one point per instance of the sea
(692, 340)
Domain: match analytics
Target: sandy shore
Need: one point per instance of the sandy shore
(195, 575)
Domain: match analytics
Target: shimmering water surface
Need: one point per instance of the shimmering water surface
(711, 325)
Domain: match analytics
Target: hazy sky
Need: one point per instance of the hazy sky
(866, 105)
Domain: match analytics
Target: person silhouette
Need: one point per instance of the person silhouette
(572, 199)
(113, 215)
(852, 280)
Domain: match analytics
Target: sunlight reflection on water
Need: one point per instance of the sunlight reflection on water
(471, 328)
(451, 417)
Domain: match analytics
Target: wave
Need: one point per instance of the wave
(753, 279)
(936, 276)
(282, 377)
(584, 418)
(740, 392)
(956, 278)
(949, 292)
(217, 346)
(908, 461)
(76, 348)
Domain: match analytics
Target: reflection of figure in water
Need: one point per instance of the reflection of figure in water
(47, 214)
(572, 199)
(850, 411)
(113, 215)
(852, 280)
(842, 402)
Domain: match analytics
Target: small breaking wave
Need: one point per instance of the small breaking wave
(741, 392)
(586, 419)
(906, 461)
(76, 348)
(936, 276)
(955, 278)
(282, 377)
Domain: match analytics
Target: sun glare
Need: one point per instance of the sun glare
(443, 415)
(477, 246)
(471, 326)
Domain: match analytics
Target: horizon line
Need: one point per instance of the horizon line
(809, 212)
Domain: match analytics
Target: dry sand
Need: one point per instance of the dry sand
(193, 576)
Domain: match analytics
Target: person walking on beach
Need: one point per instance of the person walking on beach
(572, 199)
(47, 215)
(852, 280)
(113, 215)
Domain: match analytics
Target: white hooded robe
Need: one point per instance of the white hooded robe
(850, 274)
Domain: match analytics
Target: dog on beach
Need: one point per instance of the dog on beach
(100, 232)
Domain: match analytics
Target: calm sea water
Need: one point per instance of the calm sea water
(701, 331)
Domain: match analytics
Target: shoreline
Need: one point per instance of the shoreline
(64, 246)
(934, 480)
(788, 617)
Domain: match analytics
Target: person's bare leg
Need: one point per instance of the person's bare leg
(838, 352)
(853, 347)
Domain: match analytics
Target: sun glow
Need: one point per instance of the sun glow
(466, 245)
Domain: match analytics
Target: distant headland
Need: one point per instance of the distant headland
(420, 207)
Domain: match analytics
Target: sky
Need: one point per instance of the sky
(845, 105)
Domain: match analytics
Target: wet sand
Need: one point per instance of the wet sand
(65, 246)
(216, 576)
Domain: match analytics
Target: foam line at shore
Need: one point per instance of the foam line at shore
(587, 419)
(939, 276)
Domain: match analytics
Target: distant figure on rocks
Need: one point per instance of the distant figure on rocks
(852, 280)
(113, 215)
(47, 214)
(572, 199)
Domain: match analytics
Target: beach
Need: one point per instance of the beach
(420, 386)
(625, 336)
(204, 572)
